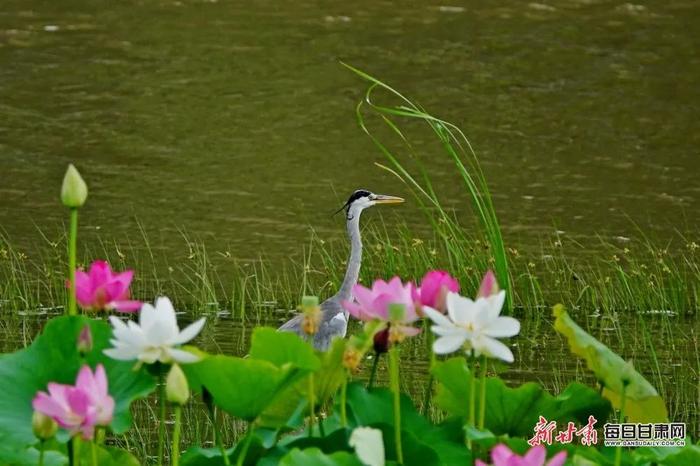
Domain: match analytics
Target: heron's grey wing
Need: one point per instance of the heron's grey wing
(292, 325)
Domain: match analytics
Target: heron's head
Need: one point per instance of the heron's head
(361, 199)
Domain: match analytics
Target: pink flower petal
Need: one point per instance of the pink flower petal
(489, 285)
(126, 306)
(501, 454)
(535, 456)
(558, 459)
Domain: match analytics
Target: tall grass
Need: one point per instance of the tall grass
(458, 148)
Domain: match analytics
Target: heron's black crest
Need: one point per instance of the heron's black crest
(360, 193)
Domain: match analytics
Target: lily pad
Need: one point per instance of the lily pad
(53, 357)
(374, 408)
(643, 403)
(282, 349)
(315, 457)
(515, 411)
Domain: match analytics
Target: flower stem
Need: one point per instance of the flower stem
(372, 374)
(175, 452)
(472, 391)
(71, 452)
(161, 425)
(396, 389)
(93, 451)
(482, 400)
(41, 452)
(429, 384)
(246, 445)
(618, 452)
(72, 247)
(472, 396)
(343, 398)
(218, 440)
(312, 403)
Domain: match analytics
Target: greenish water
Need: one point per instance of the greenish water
(234, 123)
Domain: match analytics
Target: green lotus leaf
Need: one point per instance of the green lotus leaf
(315, 457)
(515, 411)
(374, 408)
(283, 348)
(290, 407)
(242, 387)
(108, 456)
(53, 357)
(643, 403)
(16, 456)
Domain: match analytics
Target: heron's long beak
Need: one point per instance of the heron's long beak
(384, 199)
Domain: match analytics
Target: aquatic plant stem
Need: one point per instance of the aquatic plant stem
(93, 452)
(246, 445)
(312, 402)
(429, 384)
(71, 452)
(72, 253)
(175, 451)
(343, 401)
(373, 373)
(396, 390)
(161, 424)
(41, 452)
(482, 397)
(618, 452)
(472, 397)
(218, 440)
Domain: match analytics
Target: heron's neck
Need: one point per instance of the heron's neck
(353, 271)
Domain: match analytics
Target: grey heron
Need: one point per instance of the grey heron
(334, 318)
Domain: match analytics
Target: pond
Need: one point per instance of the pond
(234, 124)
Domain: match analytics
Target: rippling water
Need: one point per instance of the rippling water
(235, 123)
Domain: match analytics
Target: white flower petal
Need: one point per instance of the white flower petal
(502, 327)
(444, 331)
(437, 317)
(460, 309)
(119, 354)
(369, 445)
(189, 332)
(496, 303)
(147, 316)
(448, 344)
(181, 356)
(493, 348)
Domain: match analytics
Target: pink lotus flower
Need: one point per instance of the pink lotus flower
(433, 290)
(501, 455)
(81, 407)
(375, 304)
(489, 285)
(101, 289)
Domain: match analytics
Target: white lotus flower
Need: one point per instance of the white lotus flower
(155, 336)
(473, 325)
(369, 445)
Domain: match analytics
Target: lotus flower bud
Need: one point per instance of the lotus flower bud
(43, 426)
(489, 285)
(381, 341)
(176, 388)
(74, 191)
(85, 340)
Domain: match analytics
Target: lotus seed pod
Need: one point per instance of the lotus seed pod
(74, 191)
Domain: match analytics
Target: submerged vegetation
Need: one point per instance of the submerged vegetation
(278, 401)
